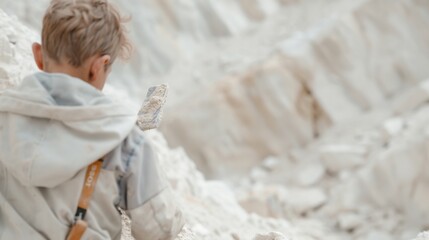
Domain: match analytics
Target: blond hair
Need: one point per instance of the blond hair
(75, 30)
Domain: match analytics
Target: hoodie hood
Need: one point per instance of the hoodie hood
(53, 125)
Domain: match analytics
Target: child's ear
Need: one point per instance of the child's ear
(38, 55)
(98, 67)
(98, 71)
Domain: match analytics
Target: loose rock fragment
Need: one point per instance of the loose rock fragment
(342, 157)
(270, 236)
(350, 221)
(150, 115)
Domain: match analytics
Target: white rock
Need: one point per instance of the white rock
(309, 174)
(235, 236)
(186, 234)
(200, 230)
(228, 106)
(423, 236)
(394, 126)
(304, 200)
(270, 236)
(311, 79)
(265, 201)
(270, 163)
(377, 235)
(211, 209)
(350, 221)
(342, 157)
(15, 51)
(257, 174)
(411, 98)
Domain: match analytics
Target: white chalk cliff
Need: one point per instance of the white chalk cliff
(347, 64)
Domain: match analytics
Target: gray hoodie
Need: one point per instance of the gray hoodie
(51, 128)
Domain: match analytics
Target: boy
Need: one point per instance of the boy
(58, 122)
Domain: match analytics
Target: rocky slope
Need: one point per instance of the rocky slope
(346, 65)
(15, 51)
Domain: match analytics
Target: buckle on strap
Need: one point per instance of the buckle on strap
(90, 180)
(80, 214)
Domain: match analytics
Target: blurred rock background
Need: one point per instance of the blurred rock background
(309, 117)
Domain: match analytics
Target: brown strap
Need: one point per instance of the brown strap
(79, 227)
(89, 185)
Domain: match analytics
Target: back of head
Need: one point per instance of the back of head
(75, 30)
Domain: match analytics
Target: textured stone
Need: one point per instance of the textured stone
(304, 200)
(237, 105)
(423, 236)
(309, 174)
(350, 221)
(342, 157)
(270, 236)
(345, 66)
(393, 126)
(15, 51)
(411, 98)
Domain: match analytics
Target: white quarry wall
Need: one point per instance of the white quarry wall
(341, 68)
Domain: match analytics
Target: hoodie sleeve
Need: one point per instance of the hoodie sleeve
(145, 193)
(159, 218)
